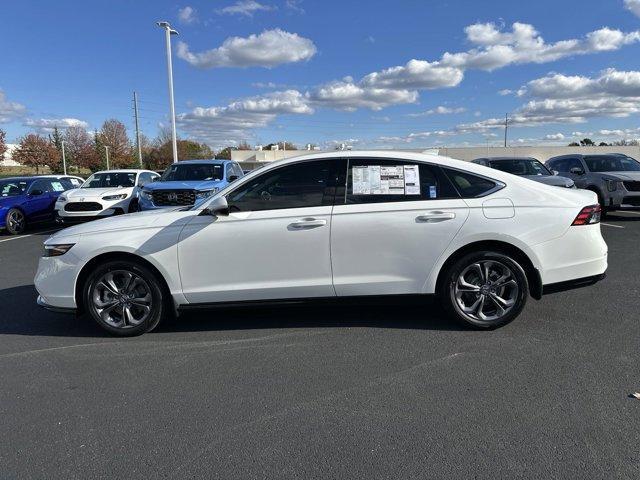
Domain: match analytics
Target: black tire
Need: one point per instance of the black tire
(16, 222)
(150, 285)
(454, 295)
(133, 206)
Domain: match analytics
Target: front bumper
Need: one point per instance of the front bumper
(42, 303)
(68, 218)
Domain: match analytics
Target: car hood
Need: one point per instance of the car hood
(94, 193)
(138, 220)
(184, 185)
(622, 175)
(553, 180)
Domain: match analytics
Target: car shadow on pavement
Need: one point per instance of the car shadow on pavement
(629, 217)
(19, 315)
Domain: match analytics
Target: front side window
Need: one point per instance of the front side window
(520, 166)
(306, 184)
(12, 188)
(40, 185)
(190, 172)
(111, 180)
(469, 185)
(387, 180)
(612, 163)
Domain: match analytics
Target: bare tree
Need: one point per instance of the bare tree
(114, 135)
(77, 144)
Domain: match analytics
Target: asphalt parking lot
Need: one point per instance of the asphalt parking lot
(382, 391)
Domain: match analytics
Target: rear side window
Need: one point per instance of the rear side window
(387, 180)
(565, 164)
(307, 184)
(469, 185)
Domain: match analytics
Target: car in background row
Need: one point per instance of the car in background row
(186, 182)
(74, 180)
(330, 226)
(614, 177)
(106, 193)
(27, 200)
(526, 167)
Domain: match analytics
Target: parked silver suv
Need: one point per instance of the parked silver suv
(613, 176)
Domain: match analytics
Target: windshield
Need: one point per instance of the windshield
(12, 188)
(520, 166)
(192, 172)
(112, 179)
(612, 164)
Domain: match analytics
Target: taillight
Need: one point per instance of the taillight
(588, 215)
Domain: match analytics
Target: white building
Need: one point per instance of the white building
(7, 161)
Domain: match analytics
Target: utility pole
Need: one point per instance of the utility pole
(106, 149)
(506, 128)
(172, 111)
(135, 111)
(64, 159)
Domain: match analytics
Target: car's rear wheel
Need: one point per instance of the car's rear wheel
(124, 298)
(484, 289)
(16, 222)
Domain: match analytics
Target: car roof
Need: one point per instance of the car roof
(20, 179)
(124, 170)
(498, 159)
(205, 162)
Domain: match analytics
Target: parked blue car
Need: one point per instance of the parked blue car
(187, 182)
(27, 200)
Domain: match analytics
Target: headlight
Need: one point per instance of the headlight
(61, 199)
(122, 196)
(146, 195)
(205, 193)
(57, 250)
(612, 185)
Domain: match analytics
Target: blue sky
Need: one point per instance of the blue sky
(406, 74)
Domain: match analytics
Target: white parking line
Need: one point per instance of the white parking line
(629, 211)
(29, 235)
(611, 225)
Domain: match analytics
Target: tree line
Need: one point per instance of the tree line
(86, 150)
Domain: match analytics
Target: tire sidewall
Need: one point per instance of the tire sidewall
(24, 222)
(447, 294)
(158, 301)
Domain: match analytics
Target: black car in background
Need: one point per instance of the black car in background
(526, 167)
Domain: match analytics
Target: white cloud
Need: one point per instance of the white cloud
(610, 82)
(417, 74)
(346, 95)
(440, 110)
(47, 125)
(268, 49)
(245, 7)
(219, 125)
(294, 5)
(505, 92)
(633, 6)
(554, 136)
(187, 15)
(9, 110)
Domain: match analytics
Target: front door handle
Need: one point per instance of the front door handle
(435, 217)
(307, 224)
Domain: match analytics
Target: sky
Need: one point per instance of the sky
(371, 74)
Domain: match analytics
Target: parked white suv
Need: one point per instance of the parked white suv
(334, 225)
(104, 194)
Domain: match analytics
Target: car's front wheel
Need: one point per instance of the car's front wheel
(484, 289)
(15, 222)
(124, 298)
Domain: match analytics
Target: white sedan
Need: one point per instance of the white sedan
(334, 225)
(104, 194)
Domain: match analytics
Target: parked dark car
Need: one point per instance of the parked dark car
(27, 200)
(615, 177)
(526, 167)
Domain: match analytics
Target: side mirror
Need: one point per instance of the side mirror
(233, 178)
(36, 192)
(217, 208)
(577, 171)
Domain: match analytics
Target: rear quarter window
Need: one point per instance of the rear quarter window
(470, 185)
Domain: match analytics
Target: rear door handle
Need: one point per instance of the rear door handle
(307, 224)
(435, 217)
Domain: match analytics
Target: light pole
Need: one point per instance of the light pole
(168, 31)
(64, 159)
(106, 149)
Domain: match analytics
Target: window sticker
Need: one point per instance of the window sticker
(57, 187)
(386, 180)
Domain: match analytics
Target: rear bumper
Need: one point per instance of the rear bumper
(572, 284)
(42, 303)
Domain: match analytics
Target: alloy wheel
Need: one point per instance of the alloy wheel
(122, 299)
(486, 291)
(15, 221)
